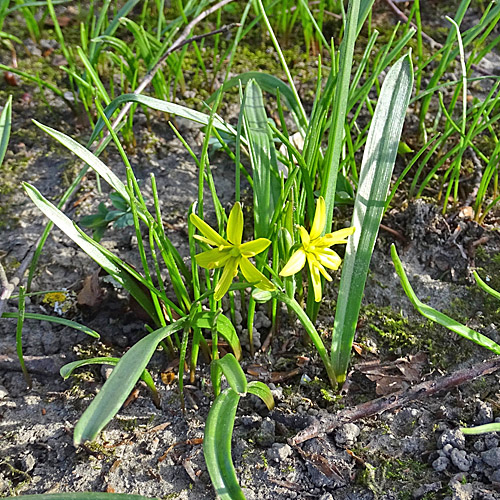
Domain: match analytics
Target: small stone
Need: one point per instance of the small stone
(454, 437)
(495, 476)
(347, 434)
(3, 392)
(425, 489)
(279, 452)
(460, 490)
(479, 445)
(491, 441)
(266, 434)
(440, 464)
(447, 449)
(460, 460)
(484, 413)
(491, 457)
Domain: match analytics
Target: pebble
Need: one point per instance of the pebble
(266, 434)
(440, 464)
(347, 434)
(460, 460)
(3, 392)
(491, 441)
(423, 490)
(279, 452)
(447, 449)
(491, 457)
(479, 445)
(484, 413)
(452, 436)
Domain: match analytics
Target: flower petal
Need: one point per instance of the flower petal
(329, 259)
(315, 279)
(253, 275)
(304, 236)
(212, 259)
(336, 238)
(319, 219)
(235, 224)
(230, 270)
(254, 247)
(212, 236)
(295, 264)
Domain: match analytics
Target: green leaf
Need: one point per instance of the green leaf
(268, 83)
(234, 373)
(375, 176)
(266, 181)
(437, 316)
(165, 106)
(263, 392)
(480, 429)
(55, 319)
(120, 383)
(224, 327)
(113, 266)
(217, 445)
(486, 287)
(5, 124)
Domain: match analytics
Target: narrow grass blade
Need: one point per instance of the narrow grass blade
(5, 124)
(94, 251)
(19, 336)
(121, 381)
(217, 445)
(376, 171)
(484, 286)
(159, 105)
(55, 319)
(438, 317)
(480, 429)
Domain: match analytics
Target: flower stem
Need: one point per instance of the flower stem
(312, 332)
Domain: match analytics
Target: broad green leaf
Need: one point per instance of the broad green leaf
(55, 319)
(217, 445)
(266, 181)
(94, 251)
(438, 317)
(5, 124)
(118, 386)
(83, 496)
(224, 327)
(375, 176)
(234, 373)
(268, 83)
(263, 392)
(165, 106)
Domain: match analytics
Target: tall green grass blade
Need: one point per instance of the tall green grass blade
(340, 99)
(118, 386)
(480, 429)
(436, 316)
(234, 373)
(261, 390)
(268, 83)
(5, 125)
(266, 183)
(94, 251)
(57, 320)
(376, 171)
(19, 335)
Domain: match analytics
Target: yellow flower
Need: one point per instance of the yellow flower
(315, 249)
(231, 253)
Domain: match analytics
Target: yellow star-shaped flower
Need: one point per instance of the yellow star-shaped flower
(315, 249)
(231, 253)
